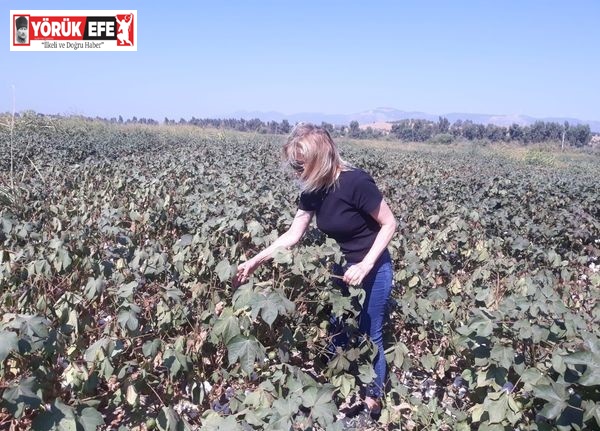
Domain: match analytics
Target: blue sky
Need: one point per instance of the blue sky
(208, 59)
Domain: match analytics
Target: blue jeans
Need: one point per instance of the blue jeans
(378, 287)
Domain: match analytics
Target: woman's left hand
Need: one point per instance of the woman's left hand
(355, 275)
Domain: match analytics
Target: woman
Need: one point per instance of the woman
(349, 208)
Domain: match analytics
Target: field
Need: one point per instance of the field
(118, 243)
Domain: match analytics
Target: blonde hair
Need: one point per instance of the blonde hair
(313, 146)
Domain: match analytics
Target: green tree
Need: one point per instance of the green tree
(579, 135)
(456, 129)
(328, 127)
(354, 131)
(553, 131)
(402, 130)
(443, 125)
(515, 132)
(470, 131)
(495, 133)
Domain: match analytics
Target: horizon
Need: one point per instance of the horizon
(267, 116)
(209, 60)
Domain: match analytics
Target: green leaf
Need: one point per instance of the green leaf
(128, 319)
(558, 363)
(497, 408)
(340, 304)
(366, 373)
(285, 409)
(513, 414)
(176, 361)
(150, 348)
(555, 395)
(396, 354)
(215, 422)
(552, 409)
(167, 419)
(8, 343)
(592, 342)
(243, 296)
(283, 256)
(270, 305)
(340, 362)
(96, 351)
(64, 259)
(532, 376)
(591, 360)
(491, 427)
(591, 410)
(246, 351)
(33, 331)
(255, 417)
(582, 358)
(269, 314)
(479, 324)
(185, 240)
(126, 290)
(553, 392)
(94, 287)
(321, 405)
(540, 334)
(503, 355)
(258, 399)
(224, 270)
(22, 395)
(255, 228)
(47, 421)
(227, 325)
(591, 377)
(476, 412)
(60, 417)
(428, 361)
(90, 419)
(345, 383)
(438, 294)
(520, 243)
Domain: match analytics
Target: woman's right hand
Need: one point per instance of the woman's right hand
(287, 240)
(244, 271)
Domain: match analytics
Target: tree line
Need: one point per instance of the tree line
(441, 131)
(412, 130)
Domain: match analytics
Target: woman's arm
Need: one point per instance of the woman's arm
(287, 240)
(383, 215)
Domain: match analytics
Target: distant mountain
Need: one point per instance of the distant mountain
(392, 114)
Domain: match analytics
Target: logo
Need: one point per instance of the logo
(73, 30)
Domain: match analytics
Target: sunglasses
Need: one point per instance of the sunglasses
(297, 166)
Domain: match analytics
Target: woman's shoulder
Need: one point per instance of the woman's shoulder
(313, 194)
(355, 180)
(356, 174)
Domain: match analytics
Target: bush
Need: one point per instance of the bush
(442, 138)
(540, 157)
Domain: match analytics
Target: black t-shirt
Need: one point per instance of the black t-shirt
(343, 212)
